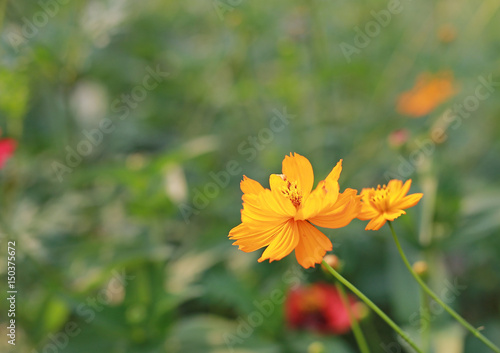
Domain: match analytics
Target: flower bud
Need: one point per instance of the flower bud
(334, 262)
(421, 268)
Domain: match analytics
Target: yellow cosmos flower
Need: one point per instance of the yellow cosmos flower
(386, 203)
(280, 218)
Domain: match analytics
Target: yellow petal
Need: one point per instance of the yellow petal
(277, 202)
(409, 201)
(314, 203)
(395, 186)
(376, 223)
(323, 197)
(284, 242)
(342, 199)
(392, 215)
(276, 182)
(341, 213)
(404, 190)
(367, 194)
(367, 212)
(312, 245)
(249, 239)
(335, 173)
(298, 168)
(250, 186)
(258, 213)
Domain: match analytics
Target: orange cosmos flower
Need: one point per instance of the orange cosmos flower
(386, 203)
(429, 92)
(280, 218)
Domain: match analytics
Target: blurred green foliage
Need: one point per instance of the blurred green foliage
(181, 286)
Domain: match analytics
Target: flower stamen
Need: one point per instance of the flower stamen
(292, 192)
(380, 198)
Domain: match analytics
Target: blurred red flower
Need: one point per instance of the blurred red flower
(319, 308)
(7, 148)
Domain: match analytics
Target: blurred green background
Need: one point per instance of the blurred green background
(128, 113)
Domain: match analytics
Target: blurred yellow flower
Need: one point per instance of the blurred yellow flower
(386, 203)
(447, 33)
(280, 218)
(428, 93)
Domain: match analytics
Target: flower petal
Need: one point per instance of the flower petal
(250, 186)
(341, 213)
(276, 182)
(279, 200)
(262, 209)
(376, 223)
(249, 239)
(298, 168)
(324, 196)
(314, 203)
(409, 201)
(405, 188)
(394, 187)
(335, 173)
(312, 245)
(392, 215)
(284, 242)
(367, 212)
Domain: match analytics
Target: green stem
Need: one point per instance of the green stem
(371, 330)
(426, 320)
(372, 306)
(452, 312)
(358, 334)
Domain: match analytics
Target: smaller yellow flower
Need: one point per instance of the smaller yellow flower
(386, 203)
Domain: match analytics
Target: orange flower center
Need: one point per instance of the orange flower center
(380, 198)
(292, 192)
